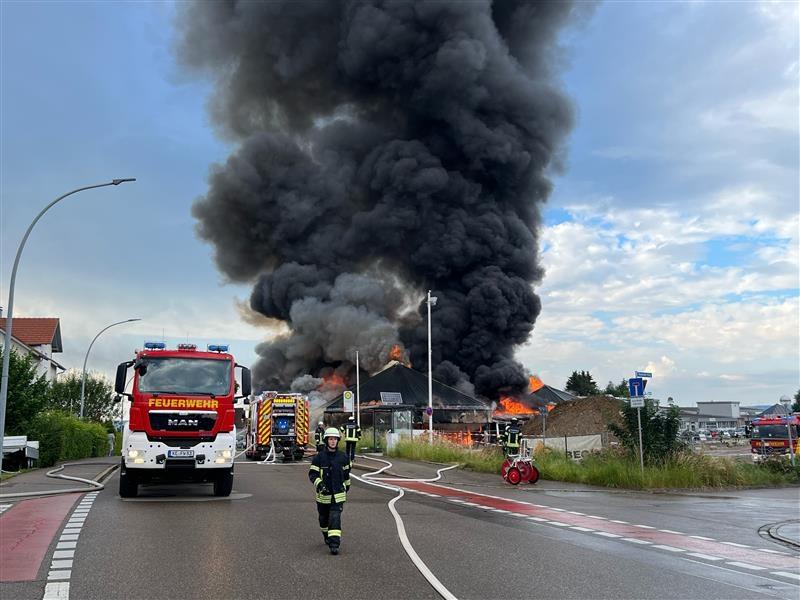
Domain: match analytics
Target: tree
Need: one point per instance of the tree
(98, 397)
(581, 384)
(27, 393)
(796, 403)
(618, 391)
(659, 430)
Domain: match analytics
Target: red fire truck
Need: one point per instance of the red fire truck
(770, 436)
(279, 422)
(181, 425)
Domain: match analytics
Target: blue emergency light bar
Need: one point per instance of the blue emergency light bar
(218, 347)
(155, 345)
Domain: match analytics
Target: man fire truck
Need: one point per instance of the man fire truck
(278, 421)
(770, 436)
(181, 425)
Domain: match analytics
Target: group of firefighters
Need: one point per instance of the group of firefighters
(330, 472)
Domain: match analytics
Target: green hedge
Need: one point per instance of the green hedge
(63, 437)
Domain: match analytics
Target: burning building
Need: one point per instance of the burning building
(383, 149)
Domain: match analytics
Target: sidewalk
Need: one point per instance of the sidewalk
(37, 481)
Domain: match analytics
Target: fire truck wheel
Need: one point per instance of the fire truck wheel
(513, 476)
(128, 487)
(223, 484)
(504, 468)
(534, 475)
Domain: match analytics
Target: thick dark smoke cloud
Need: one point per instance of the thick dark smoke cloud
(386, 148)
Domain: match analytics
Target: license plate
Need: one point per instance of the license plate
(181, 453)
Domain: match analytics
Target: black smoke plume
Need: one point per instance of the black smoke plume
(385, 148)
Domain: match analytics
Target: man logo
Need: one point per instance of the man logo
(183, 422)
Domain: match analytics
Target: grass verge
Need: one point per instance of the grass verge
(684, 471)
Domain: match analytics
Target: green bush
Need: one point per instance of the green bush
(63, 437)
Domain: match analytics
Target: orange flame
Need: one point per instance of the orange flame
(398, 353)
(534, 383)
(511, 406)
(334, 379)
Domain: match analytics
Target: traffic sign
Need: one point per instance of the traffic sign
(348, 401)
(644, 374)
(637, 402)
(636, 386)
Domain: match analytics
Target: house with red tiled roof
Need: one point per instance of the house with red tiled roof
(39, 337)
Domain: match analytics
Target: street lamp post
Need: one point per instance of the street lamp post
(86, 358)
(431, 302)
(10, 317)
(786, 401)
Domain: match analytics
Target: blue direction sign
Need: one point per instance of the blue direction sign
(644, 374)
(636, 386)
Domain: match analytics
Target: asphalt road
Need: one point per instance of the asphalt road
(180, 542)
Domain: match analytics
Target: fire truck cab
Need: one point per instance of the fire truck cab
(181, 425)
(770, 436)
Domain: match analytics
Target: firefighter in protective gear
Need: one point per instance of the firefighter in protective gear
(330, 474)
(319, 437)
(511, 437)
(352, 433)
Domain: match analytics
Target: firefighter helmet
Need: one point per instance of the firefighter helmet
(351, 418)
(514, 420)
(320, 423)
(332, 432)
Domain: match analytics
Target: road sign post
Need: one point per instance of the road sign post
(636, 387)
(348, 397)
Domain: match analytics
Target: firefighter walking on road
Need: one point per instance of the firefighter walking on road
(319, 437)
(352, 434)
(330, 474)
(511, 437)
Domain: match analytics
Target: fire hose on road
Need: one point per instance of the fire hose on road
(96, 485)
(401, 529)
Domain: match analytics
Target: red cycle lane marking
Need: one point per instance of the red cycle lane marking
(654, 536)
(26, 531)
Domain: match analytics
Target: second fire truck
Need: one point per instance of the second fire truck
(278, 421)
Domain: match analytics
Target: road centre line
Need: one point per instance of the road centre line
(746, 566)
(705, 556)
(785, 574)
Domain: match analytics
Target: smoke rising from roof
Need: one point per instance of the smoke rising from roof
(385, 148)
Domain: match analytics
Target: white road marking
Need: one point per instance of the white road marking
(635, 541)
(598, 518)
(575, 512)
(68, 537)
(4, 507)
(64, 554)
(539, 519)
(576, 528)
(747, 566)
(513, 514)
(61, 564)
(670, 548)
(735, 544)
(559, 524)
(771, 551)
(785, 574)
(704, 556)
(66, 545)
(700, 537)
(606, 534)
(644, 526)
(670, 531)
(621, 522)
(55, 575)
(556, 509)
(56, 591)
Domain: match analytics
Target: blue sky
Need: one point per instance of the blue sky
(670, 243)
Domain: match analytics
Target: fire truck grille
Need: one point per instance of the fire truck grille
(182, 422)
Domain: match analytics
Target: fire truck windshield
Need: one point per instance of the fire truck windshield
(184, 376)
(773, 431)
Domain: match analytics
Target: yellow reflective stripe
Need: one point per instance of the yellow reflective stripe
(313, 468)
(324, 499)
(334, 533)
(346, 467)
(340, 497)
(325, 529)
(317, 481)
